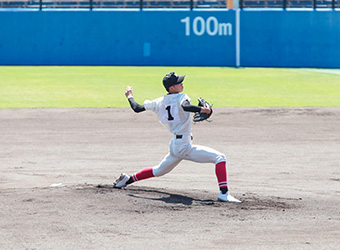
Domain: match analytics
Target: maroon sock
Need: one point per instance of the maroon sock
(221, 174)
(143, 174)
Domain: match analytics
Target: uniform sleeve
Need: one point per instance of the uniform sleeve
(150, 105)
(185, 98)
(190, 108)
(186, 105)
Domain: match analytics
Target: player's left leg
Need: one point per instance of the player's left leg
(204, 154)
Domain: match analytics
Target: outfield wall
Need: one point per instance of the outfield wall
(274, 38)
(290, 38)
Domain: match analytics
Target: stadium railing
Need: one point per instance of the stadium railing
(290, 4)
(90, 4)
(114, 4)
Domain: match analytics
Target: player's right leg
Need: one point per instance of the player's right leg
(121, 181)
(167, 164)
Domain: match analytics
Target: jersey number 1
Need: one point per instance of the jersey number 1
(170, 117)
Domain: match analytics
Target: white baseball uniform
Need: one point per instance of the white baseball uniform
(171, 114)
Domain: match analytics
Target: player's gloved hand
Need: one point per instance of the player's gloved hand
(201, 116)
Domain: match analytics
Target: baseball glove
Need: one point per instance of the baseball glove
(199, 117)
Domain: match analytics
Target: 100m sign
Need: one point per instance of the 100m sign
(210, 26)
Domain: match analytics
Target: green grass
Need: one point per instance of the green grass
(66, 87)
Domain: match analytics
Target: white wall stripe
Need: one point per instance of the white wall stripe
(237, 39)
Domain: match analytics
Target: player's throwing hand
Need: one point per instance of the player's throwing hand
(128, 92)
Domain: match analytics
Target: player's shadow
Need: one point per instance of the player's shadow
(170, 198)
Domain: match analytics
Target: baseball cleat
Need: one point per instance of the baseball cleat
(227, 198)
(121, 181)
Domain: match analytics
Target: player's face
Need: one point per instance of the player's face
(175, 89)
(178, 88)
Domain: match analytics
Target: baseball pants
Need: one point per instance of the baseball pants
(182, 149)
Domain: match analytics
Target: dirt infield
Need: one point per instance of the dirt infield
(283, 163)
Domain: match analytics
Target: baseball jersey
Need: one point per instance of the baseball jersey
(170, 113)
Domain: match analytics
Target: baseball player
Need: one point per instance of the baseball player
(173, 111)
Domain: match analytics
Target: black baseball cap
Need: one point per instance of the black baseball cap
(172, 79)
